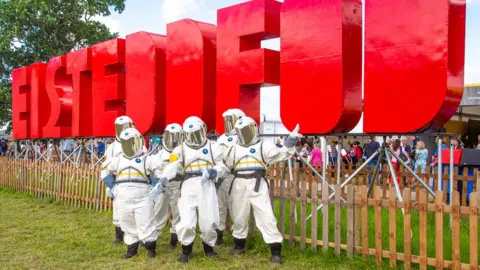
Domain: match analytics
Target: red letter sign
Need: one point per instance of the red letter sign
(242, 67)
(59, 91)
(39, 101)
(321, 60)
(191, 71)
(79, 66)
(21, 98)
(413, 64)
(145, 90)
(108, 85)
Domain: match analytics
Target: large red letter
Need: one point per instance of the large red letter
(39, 104)
(321, 58)
(191, 71)
(79, 66)
(59, 90)
(108, 85)
(413, 64)
(242, 67)
(21, 98)
(145, 82)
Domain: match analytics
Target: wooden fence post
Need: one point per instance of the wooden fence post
(474, 205)
(326, 203)
(338, 224)
(314, 231)
(456, 231)
(439, 229)
(422, 205)
(351, 219)
(378, 223)
(407, 231)
(293, 197)
(303, 214)
(364, 222)
(393, 226)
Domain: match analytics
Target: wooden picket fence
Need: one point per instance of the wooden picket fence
(379, 226)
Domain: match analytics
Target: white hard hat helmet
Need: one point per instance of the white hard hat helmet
(195, 132)
(132, 143)
(247, 131)
(121, 124)
(230, 117)
(173, 136)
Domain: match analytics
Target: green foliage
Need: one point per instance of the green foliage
(36, 30)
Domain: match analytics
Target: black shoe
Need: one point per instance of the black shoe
(186, 253)
(173, 241)
(238, 246)
(131, 251)
(151, 248)
(219, 237)
(141, 244)
(276, 249)
(118, 236)
(209, 250)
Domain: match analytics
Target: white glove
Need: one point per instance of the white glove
(112, 192)
(292, 139)
(156, 190)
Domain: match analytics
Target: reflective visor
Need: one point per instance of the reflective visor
(196, 138)
(229, 123)
(121, 127)
(172, 139)
(247, 134)
(132, 146)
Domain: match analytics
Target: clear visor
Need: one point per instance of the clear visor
(121, 127)
(197, 138)
(172, 139)
(247, 135)
(229, 123)
(132, 147)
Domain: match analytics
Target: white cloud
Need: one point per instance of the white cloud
(472, 74)
(173, 10)
(112, 24)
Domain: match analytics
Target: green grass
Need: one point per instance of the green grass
(43, 234)
(415, 240)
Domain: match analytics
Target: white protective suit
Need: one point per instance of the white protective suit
(114, 150)
(194, 196)
(248, 160)
(224, 199)
(169, 200)
(131, 190)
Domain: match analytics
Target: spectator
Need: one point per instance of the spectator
(316, 156)
(3, 147)
(355, 152)
(101, 148)
(435, 155)
(304, 153)
(421, 155)
(67, 146)
(396, 147)
(370, 148)
(478, 142)
(457, 144)
(333, 152)
(406, 148)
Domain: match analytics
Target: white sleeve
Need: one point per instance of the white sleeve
(109, 151)
(273, 154)
(217, 154)
(230, 157)
(108, 167)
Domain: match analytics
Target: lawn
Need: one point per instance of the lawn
(43, 234)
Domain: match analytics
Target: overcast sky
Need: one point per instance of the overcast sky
(153, 15)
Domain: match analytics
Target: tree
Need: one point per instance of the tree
(36, 30)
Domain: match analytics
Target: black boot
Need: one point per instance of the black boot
(118, 236)
(131, 251)
(239, 246)
(219, 237)
(186, 253)
(151, 247)
(276, 249)
(209, 250)
(173, 241)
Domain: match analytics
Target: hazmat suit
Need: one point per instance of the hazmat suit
(249, 159)
(134, 181)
